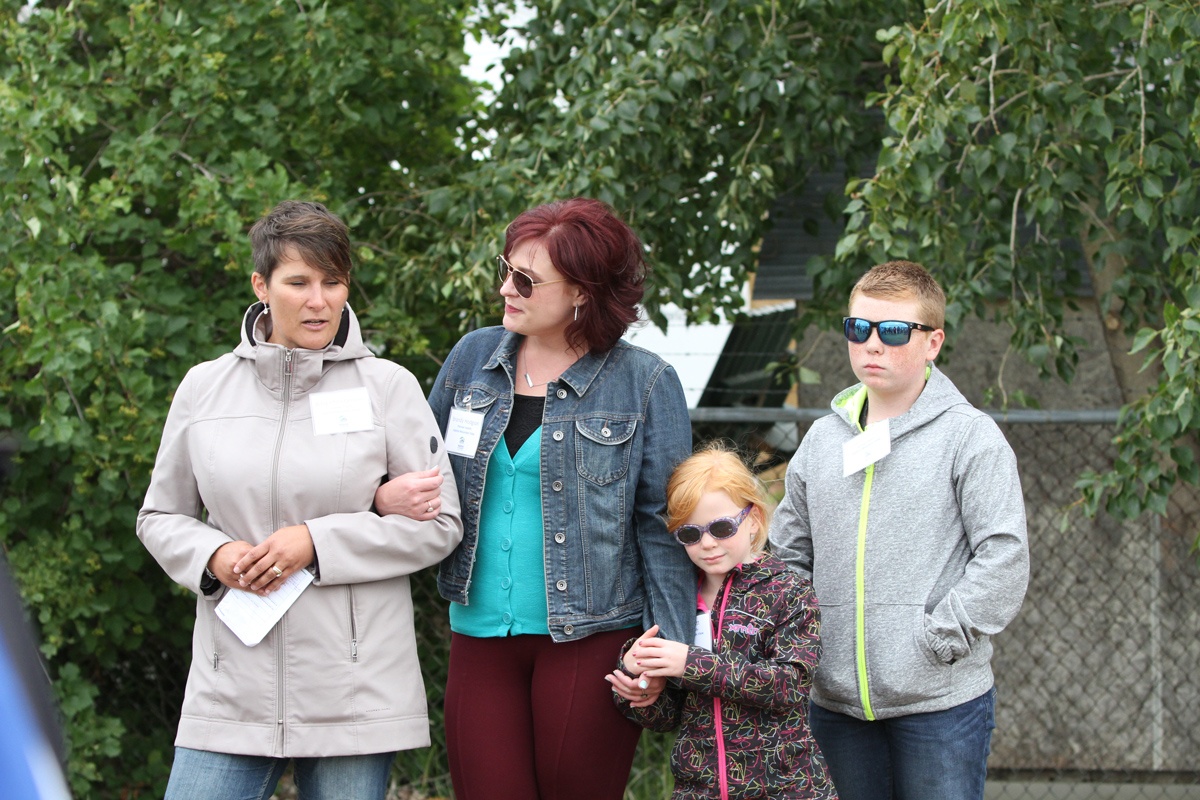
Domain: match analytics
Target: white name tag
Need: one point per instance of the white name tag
(343, 411)
(463, 432)
(865, 449)
(704, 630)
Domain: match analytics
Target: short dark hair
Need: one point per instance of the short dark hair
(593, 248)
(318, 235)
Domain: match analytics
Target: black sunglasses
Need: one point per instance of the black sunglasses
(719, 528)
(521, 282)
(892, 332)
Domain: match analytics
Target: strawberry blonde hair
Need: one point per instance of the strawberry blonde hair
(901, 281)
(717, 467)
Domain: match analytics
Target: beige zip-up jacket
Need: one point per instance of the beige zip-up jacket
(239, 459)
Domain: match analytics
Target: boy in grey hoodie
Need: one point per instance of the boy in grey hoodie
(904, 508)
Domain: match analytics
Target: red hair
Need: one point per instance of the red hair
(594, 249)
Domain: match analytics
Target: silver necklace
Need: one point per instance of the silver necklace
(529, 380)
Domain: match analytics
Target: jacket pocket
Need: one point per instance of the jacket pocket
(836, 677)
(602, 448)
(353, 622)
(902, 669)
(474, 398)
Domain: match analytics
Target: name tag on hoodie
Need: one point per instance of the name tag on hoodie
(343, 411)
(865, 449)
(704, 630)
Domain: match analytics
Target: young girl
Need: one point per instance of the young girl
(741, 698)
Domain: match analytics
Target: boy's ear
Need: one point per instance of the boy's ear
(935, 344)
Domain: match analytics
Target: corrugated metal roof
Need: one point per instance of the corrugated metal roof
(741, 376)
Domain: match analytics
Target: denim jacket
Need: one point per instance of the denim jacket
(615, 425)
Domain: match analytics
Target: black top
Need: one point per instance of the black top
(526, 418)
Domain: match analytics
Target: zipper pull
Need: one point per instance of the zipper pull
(287, 361)
(354, 649)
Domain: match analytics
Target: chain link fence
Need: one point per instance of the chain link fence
(1098, 678)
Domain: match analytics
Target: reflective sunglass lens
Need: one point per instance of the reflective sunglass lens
(857, 330)
(894, 333)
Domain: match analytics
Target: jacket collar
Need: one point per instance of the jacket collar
(306, 366)
(938, 396)
(579, 376)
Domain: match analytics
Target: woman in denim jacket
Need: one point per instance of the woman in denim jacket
(562, 438)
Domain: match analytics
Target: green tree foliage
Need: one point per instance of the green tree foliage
(137, 141)
(689, 118)
(1028, 138)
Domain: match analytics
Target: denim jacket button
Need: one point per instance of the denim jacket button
(568, 629)
(605, 432)
(556, 486)
(560, 537)
(558, 436)
(561, 586)
(562, 394)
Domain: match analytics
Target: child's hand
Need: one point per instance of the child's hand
(628, 660)
(657, 658)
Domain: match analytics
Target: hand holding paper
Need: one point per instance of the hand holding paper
(251, 616)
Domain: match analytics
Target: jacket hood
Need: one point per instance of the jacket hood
(347, 342)
(306, 365)
(939, 396)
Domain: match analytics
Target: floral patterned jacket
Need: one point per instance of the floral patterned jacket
(742, 709)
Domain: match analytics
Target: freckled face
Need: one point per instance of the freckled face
(306, 304)
(892, 370)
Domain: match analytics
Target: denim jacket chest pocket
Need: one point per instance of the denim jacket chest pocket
(476, 397)
(602, 446)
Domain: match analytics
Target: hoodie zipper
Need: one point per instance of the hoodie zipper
(860, 597)
(280, 653)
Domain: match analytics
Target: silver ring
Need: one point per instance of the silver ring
(278, 572)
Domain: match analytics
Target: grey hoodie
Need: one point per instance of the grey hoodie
(917, 560)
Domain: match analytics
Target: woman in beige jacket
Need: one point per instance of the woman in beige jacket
(268, 466)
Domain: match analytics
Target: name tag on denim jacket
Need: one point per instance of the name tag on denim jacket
(343, 411)
(865, 449)
(463, 431)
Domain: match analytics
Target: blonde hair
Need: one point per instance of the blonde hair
(717, 467)
(904, 280)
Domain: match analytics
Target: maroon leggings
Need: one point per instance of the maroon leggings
(529, 719)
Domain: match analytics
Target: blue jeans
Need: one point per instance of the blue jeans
(204, 775)
(940, 755)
